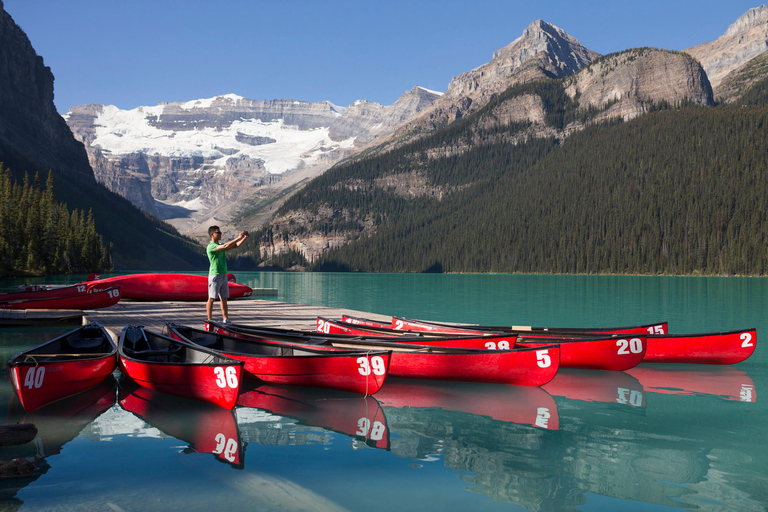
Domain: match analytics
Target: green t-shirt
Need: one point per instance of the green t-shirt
(218, 259)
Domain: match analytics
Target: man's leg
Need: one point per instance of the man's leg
(209, 308)
(224, 309)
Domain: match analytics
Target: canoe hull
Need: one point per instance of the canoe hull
(709, 348)
(615, 354)
(198, 374)
(58, 369)
(92, 300)
(180, 287)
(313, 366)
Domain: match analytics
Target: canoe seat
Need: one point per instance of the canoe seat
(173, 349)
(83, 343)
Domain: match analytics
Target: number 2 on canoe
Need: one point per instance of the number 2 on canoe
(228, 378)
(746, 340)
(379, 368)
(34, 377)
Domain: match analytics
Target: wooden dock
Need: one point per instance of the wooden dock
(154, 315)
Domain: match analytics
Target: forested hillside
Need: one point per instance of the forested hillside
(679, 190)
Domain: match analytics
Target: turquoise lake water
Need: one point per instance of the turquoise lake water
(655, 438)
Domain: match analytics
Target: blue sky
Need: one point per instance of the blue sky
(143, 52)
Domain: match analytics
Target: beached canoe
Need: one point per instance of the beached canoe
(92, 300)
(611, 353)
(64, 366)
(728, 347)
(179, 368)
(207, 428)
(157, 287)
(423, 325)
(358, 417)
(44, 292)
(296, 364)
(526, 367)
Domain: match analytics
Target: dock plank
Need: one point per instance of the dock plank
(154, 315)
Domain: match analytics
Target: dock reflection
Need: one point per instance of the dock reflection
(207, 428)
(358, 417)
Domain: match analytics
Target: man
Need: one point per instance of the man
(218, 286)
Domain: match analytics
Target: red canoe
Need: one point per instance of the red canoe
(64, 366)
(489, 341)
(525, 367)
(179, 368)
(92, 300)
(359, 417)
(157, 287)
(591, 386)
(612, 353)
(523, 405)
(724, 382)
(729, 347)
(295, 364)
(207, 428)
(44, 292)
(422, 325)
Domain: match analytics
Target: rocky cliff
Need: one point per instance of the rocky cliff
(35, 138)
(628, 83)
(744, 40)
(194, 163)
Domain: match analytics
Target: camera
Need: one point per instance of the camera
(245, 233)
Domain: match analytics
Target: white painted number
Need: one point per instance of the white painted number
(656, 329)
(542, 417)
(399, 325)
(227, 448)
(226, 377)
(635, 345)
(746, 340)
(502, 345)
(81, 288)
(323, 326)
(633, 398)
(364, 426)
(114, 293)
(34, 377)
(746, 393)
(379, 368)
(543, 359)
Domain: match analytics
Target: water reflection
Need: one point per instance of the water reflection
(57, 424)
(725, 382)
(358, 417)
(516, 404)
(597, 386)
(207, 428)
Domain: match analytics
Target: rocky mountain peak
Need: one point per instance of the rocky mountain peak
(744, 40)
(752, 18)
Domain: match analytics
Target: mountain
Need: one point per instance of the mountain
(542, 51)
(34, 138)
(744, 40)
(196, 163)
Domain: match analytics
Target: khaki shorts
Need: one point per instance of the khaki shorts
(218, 286)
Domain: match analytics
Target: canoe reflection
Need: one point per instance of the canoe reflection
(597, 386)
(206, 427)
(725, 382)
(359, 417)
(57, 424)
(516, 404)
